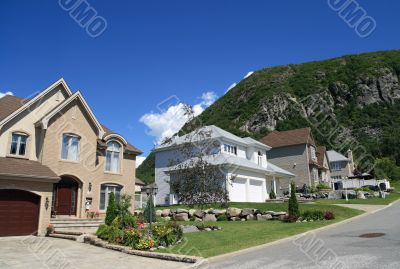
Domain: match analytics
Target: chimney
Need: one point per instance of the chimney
(351, 162)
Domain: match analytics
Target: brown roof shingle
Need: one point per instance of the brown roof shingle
(278, 139)
(9, 104)
(129, 147)
(321, 153)
(25, 168)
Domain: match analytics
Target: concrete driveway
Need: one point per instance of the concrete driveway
(39, 252)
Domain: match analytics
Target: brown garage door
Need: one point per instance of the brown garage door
(19, 212)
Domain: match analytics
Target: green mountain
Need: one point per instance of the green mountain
(349, 102)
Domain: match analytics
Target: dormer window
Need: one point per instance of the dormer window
(18, 144)
(230, 149)
(113, 157)
(70, 147)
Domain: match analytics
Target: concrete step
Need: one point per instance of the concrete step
(64, 236)
(74, 233)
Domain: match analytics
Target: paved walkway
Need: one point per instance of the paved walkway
(44, 252)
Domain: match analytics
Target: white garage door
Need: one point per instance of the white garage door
(238, 191)
(256, 191)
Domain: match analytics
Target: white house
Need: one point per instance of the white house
(249, 175)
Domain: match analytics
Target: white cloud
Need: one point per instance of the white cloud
(233, 85)
(5, 93)
(248, 74)
(139, 160)
(167, 123)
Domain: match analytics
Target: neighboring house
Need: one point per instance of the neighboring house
(294, 151)
(342, 167)
(57, 160)
(140, 197)
(249, 175)
(138, 185)
(324, 172)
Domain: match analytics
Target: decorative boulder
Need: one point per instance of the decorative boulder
(247, 211)
(198, 214)
(158, 213)
(198, 219)
(167, 218)
(181, 210)
(166, 213)
(181, 217)
(234, 219)
(250, 217)
(233, 212)
(217, 212)
(264, 217)
(360, 195)
(209, 217)
(191, 212)
(189, 229)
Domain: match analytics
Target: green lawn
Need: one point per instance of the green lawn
(240, 235)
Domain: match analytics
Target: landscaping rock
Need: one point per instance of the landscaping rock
(166, 213)
(190, 229)
(191, 212)
(269, 213)
(198, 219)
(207, 229)
(217, 212)
(360, 195)
(277, 214)
(264, 217)
(181, 210)
(199, 214)
(209, 217)
(233, 212)
(181, 217)
(158, 213)
(247, 211)
(234, 219)
(250, 217)
(167, 218)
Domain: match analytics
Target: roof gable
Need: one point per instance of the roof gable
(19, 108)
(278, 139)
(9, 104)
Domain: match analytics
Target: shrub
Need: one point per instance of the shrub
(293, 208)
(111, 213)
(222, 217)
(49, 229)
(313, 215)
(128, 221)
(329, 215)
(323, 186)
(103, 232)
(272, 195)
(132, 237)
(290, 218)
(149, 212)
(167, 234)
(145, 243)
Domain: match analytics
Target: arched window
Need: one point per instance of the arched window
(18, 144)
(113, 157)
(70, 147)
(105, 191)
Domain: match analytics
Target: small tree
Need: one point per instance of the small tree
(293, 208)
(272, 194)
(149, 211)
(112, 212)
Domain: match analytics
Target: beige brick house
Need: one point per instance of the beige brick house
(57, 160)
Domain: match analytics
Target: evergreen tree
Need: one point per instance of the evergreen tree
(149, 211)
(293, 209)
(111, 213)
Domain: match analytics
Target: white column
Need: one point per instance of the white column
(274, 185)
(247, 189)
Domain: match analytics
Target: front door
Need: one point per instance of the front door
(65, 197)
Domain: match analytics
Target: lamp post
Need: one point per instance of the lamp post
(347, 197)
(151, 190)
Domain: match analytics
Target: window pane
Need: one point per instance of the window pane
(108, 161)
(102, 200)
(65, 146)
(13, 147)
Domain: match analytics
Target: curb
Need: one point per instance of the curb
(294, 237)
(93, 240)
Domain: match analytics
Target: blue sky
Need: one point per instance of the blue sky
(152, 50)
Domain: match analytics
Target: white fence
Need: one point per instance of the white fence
(358, 183)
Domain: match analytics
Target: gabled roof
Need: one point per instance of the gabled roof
(213, 132)
(76, 96)
(334, 156)
(278, 139)
(9, 104)
(14, 167)
(38, 97)
(128, 147)
(139, 182)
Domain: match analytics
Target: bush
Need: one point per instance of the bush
(313, 215)
(168, 234)
(222, 217)
(132, 237)
(111, 234)
(149, 213)
(272, 195)
(111, 213)
(293, 208)
(290, 218)
(323, 186)
(145, 243)
(329, 215)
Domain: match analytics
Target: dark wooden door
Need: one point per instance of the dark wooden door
(19, 212)
(66, 199)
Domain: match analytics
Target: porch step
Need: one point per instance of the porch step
(68, 233)
(76, 225)
(64, 236)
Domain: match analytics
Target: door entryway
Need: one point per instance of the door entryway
(65, 197)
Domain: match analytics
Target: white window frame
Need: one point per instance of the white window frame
(117, 169)
(109, 187)
(70, 141)
(19, 143)
(230, 149)
(336, 166)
